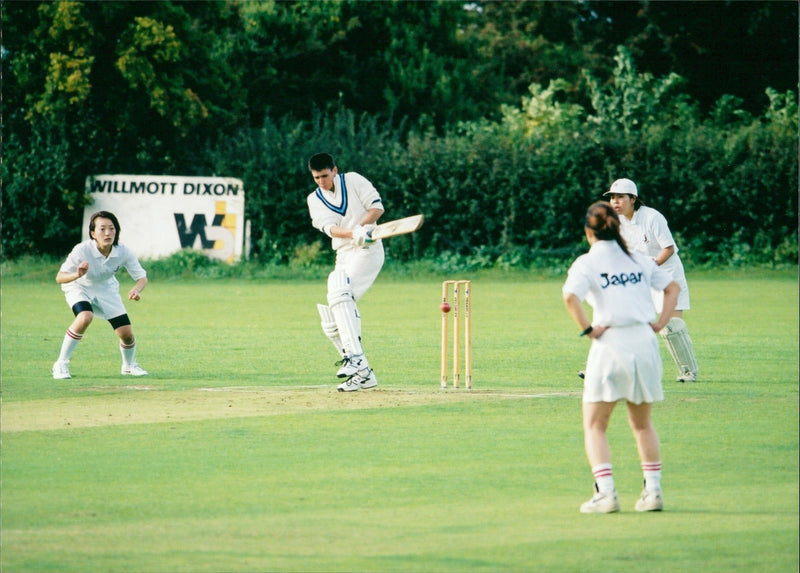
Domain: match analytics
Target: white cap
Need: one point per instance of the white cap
(623, 187)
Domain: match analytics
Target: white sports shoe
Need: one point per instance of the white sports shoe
(61, 370)
(366, 379)
(351, 365)
(363, 380)
(687, 376)
(602, 502)
(349, 385)
(650, 501)
(133, 369)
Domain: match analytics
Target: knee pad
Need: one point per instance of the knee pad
(339, 289)
(81, 306)
(121, 320)
(674, 326)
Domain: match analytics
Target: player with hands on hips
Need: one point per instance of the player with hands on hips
(645, 230)
(624, 363)
(345, 207)
(88, 280)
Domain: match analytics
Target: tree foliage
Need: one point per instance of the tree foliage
(498, 118)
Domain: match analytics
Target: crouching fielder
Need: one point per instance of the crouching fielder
(624, 361)
(88, 279)
(345, 207)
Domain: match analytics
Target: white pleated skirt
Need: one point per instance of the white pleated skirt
(624, 364)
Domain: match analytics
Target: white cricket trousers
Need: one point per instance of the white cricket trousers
(362, 265)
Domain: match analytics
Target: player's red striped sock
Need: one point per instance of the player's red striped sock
(652, 475)
(71, 340)
(603, 477)
(128, 352)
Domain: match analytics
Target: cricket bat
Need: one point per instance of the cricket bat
(397, 227)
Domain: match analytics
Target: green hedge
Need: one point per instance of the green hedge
(492, 197)
(510, 193)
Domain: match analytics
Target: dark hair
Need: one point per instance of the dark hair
(321, 161)
(105, 215)
(604, 223)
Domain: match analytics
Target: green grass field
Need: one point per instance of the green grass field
(237, 454)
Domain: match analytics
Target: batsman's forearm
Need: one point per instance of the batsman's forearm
(338, 232)
(371, 217)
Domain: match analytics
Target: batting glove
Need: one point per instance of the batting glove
(362, 235)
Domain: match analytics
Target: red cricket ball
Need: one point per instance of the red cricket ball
(445, 306)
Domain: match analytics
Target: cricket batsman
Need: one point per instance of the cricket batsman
(346, 207)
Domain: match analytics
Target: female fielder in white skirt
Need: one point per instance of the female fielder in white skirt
(645, 231)
(345, 207)
(624, 361)
(88, 279)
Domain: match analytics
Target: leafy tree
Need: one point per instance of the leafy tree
(634, 100)
(103, 87)
(400, 59)
(521, 43)
(418, 91)
(737, 48)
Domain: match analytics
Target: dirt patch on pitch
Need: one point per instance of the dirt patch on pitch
(109, 406)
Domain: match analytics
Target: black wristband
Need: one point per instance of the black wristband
(587, 331)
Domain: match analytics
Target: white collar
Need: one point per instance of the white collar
(97, 254)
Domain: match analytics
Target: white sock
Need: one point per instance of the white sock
(603, 477)
(128, 353)
(71, 340)
(652, 475)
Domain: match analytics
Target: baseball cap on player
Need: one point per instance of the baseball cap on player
(623, 187)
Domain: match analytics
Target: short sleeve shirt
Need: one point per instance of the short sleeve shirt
(616, 285)
(647, 232)
(102, 274)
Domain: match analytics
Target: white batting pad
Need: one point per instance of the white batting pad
(329, 327)
(345, 312)
(680, 346)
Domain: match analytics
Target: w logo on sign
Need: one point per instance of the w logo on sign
(217, 240)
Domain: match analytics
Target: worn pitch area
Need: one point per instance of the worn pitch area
(145, 404)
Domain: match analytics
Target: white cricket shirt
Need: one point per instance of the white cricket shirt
(615, 285)
(647, 232)
(102, 273)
